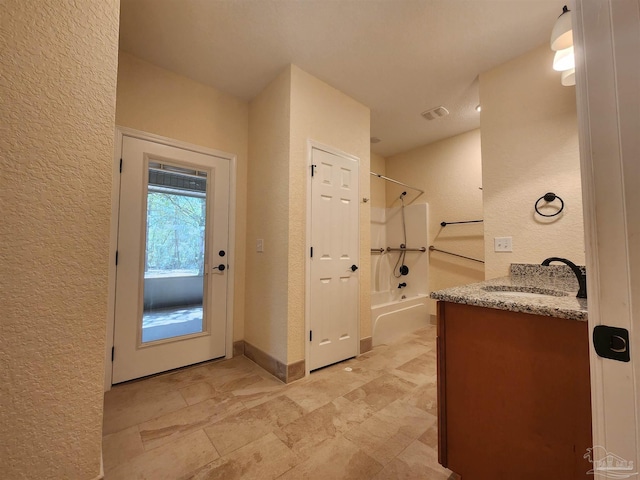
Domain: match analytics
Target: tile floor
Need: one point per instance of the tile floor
(372, 417)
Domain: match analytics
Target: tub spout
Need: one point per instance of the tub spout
(582, 278)
(401, 285)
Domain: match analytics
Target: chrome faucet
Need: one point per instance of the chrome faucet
(582, 278)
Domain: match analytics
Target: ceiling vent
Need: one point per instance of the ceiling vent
(434, 113)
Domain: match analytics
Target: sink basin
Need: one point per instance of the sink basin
(524, 292)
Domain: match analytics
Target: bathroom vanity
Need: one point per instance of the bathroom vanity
(513, 377)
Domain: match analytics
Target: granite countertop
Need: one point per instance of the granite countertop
(556, 282)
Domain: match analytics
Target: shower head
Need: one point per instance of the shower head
(402, 195)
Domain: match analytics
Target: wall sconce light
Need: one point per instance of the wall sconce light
(562, 43)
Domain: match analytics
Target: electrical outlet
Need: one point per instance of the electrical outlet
(260, 245)
(502, 244)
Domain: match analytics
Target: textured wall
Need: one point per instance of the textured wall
(450, 173)
(378, 206)
(377, 185)
(268, 218)
(529, 147)
(157, 101)
(320, 112)
(294, 108)
(57, 103)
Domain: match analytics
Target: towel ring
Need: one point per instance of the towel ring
(549, 197)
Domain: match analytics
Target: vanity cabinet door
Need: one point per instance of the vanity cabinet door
(514, 398)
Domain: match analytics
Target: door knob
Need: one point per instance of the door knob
(354, 268)
(220, 267)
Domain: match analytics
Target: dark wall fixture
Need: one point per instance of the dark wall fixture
(548, 198)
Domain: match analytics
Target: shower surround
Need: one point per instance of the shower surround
(397, 310)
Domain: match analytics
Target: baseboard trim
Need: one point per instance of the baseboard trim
(238, 348)
(285, 373)
(366, 344)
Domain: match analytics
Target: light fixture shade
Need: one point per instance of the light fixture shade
(562, 34)
(568, 77)
(564, 60)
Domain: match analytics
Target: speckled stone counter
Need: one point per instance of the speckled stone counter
(557, 283)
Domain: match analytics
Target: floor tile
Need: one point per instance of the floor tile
(414, 463)
(125, 407)
(324, 386)
(430, 437)
(247, 426)
(424, 397)
(265, 459)
(380, 392)
(170, 461)
(396, 425)
(373, 416)
(120, 447)
(325, 423)
(337, 459)
(179, 423)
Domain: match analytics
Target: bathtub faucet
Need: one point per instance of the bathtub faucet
(401, 285)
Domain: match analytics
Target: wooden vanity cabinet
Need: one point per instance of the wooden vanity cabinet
(514, 397)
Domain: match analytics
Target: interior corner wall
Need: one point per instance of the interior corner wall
(266, 311)
(378, 185)
(378, 215)
(324, 114)
(529, 147)
(450, 173)
(58, 89)
(155, 100)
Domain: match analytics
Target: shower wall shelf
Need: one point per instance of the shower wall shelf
(406, 249)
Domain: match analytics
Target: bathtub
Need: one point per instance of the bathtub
(393, 317)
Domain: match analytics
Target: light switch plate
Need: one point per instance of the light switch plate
(260, 245)
(502, 244)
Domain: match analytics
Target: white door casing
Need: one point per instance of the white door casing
(334, 234)
(607, 42)
(133, 359)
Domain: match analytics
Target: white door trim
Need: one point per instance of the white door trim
(120, 132)
(311, 144)
(607, 68)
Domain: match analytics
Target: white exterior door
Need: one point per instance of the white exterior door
(334, 288)
(171, 274)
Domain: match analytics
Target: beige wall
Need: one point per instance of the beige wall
(378, 186)
(529, 147)
(450, 173)
(58, 87)
(268, 213)
(294, 108)
(321, 113)
(378, 203)
(155, 100)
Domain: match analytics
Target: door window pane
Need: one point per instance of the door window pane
(174, 253)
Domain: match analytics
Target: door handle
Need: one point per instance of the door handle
(354, 268)
(220, 267)
(611, 342)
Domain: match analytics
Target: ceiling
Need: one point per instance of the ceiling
(398, 57)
